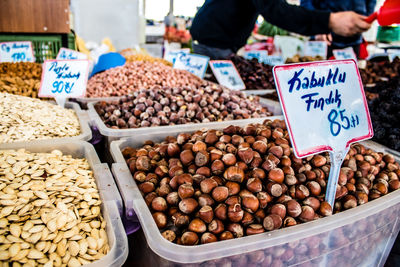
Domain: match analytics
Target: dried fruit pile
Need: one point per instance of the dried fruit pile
(171, 106)
(255, 75)
(375, 71)
(25, 119)
(137, 75)
(50, 210)
(217, 185)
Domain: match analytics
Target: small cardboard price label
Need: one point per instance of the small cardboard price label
(16, 52)
(66, 53)
(62, 79)
(325, 110)
(316, 48)
(346, 53)
(260, 55)
(227, 74)
(171, 55)
(196, 64)
(273, 60)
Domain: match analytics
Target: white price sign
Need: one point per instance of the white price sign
(171, 55)
(62, 79)
(66, 53)
(260, 55)
(16, 52)
(316, 48)
(325, 110)
(196, 64)
(273, 60)
(346, 53)
(227, 74)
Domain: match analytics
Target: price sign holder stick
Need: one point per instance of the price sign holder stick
(337, 158)
(60, 100)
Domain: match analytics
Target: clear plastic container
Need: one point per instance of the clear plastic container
(86, 133)
(362, 236)
(112, 203)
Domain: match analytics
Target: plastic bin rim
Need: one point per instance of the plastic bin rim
(200, 253)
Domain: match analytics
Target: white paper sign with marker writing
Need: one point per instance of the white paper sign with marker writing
(196, 64)
(16, 52)
(62, 79)
(346, 53)
(316, 48)
(66, 53)
(325, 110)
(260, 55)
(171, 55)
(227, 74)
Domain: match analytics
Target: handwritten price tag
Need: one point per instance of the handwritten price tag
(346, 53)
(260, 55)
(227, 74)
(16, 52)
(196, 64)
(316, 48)
(325, 110)
(62, 79)
(66, 53)
(171, 55)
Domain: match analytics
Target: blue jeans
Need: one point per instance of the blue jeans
(212, 52)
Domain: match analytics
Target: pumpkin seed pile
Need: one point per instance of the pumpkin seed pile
(49, 210)
(25, 119)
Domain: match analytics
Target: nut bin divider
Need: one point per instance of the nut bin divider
(206, 252)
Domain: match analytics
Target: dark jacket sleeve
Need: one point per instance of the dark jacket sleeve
(293, 18)
(370, 7)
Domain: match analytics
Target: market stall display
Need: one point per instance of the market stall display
(217, 185)
(137, 75)
(27, 119)
(255, 75)
(22, 78)
(173, 106)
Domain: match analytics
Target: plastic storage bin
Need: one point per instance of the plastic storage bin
(86, 133)
(45, 46)
(111, 206)
(362, 236)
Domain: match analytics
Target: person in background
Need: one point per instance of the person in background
(335, 40)
(221, 27)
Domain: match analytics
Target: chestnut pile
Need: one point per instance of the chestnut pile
(217, 185)
(375, 71)
(171, 106)
(255, 75)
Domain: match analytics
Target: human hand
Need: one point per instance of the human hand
(348, 23)
(324, 37)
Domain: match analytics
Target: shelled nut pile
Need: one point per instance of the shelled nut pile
(137, 75)
(24, 119)
(22, 78)
(255, 75)
(171, 106)
(217, 185)
(147, 58)
(298, 59)
(50, 210)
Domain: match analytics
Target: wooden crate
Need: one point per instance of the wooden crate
(34, 16)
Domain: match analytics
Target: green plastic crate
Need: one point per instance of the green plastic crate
(45, 46)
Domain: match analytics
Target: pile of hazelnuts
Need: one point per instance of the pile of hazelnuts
(172, 106)
(223, 184)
